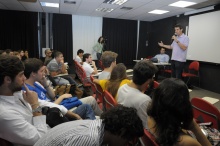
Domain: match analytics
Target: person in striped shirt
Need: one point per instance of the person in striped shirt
(116, 127)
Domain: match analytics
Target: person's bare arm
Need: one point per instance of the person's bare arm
(73, 115)
(96, 81)
(95, 68)
(164, 46)
(194, 127)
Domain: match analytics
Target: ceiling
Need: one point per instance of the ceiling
(139, 11)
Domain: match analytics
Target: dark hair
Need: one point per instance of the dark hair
(2, 51)
(32, 65)
(10, 66)
(99, 40)
(117, 75)
(80, 51)
(143, 71)
(120, 117)
(85, 56)
(108, 57)
(178, 25)
(8, 51)
(57, 54)
(171, 110)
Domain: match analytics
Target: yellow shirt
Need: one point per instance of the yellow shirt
(103, 82)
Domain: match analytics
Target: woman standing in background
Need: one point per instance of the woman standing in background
(98, 48)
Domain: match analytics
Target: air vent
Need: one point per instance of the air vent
(115, 2)
(104, 9)
(69, 2)
(126, 8)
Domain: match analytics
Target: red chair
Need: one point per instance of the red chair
(148, 139)
(205, 112)
(101, 65)
(82, 75)
(192, 72)
(5, 142)
(156, 84)
(109, 100)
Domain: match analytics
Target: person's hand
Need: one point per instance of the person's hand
(160, 44)
(30, 96)
(62, 61)
(66, 96)
(93, 63)
(78, 117)
(174, 38)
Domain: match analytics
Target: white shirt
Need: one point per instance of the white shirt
(88, 69)
(131, 97)
(78, 60)
(17, 123)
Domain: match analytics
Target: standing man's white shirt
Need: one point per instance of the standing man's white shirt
(131, 97)
(88, 69)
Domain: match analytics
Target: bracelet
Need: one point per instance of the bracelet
(34, 104)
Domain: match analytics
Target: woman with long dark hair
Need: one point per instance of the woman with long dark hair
(170, 116)
(117, 79)
(98, 48)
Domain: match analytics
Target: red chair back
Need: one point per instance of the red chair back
(194, 66)
(5, 142)
(156, 84)
(148, 139)
(109, 100)
(205, 112)
(101, 65)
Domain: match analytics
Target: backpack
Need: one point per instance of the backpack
(54, 116)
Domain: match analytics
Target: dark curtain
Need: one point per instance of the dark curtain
(62, 35)
(121, 38)
(18, 30)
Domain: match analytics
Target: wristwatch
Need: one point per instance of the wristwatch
(37, 110)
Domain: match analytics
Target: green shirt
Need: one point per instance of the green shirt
(98, 47)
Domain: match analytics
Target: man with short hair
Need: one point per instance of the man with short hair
(132, 94)
(108, 59)
(79, 56)
(21, 120)
(48, 57)
(87, 59)
(116, 127)
(35, 73)
(9, 52)
(179, 46)
(56, 67)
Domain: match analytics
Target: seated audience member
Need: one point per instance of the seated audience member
(3, 52)
(20, 121)
(117, 79)
(87, 59)
(79, 56)
(21, 53)
(108, 59)
(35, 73)
(56, 67)
(170, 116)
(161, 58)
(116, 127)
(9, 52)
(26, 56)
(48, 57)
(17, 54)
(132, 94)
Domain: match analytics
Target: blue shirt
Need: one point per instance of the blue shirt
(164, 58)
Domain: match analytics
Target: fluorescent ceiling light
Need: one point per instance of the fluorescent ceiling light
(104, 9)
(158, 12)
(182, 4)
(116, 2)
(46, 4)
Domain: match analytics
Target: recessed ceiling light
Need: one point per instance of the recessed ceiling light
(116, 2)
(46, 4)
(104, 9)
(182, 4)
(158, 12)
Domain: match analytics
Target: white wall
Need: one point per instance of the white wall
(86, 31)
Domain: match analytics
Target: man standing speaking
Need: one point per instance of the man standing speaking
(179, 45)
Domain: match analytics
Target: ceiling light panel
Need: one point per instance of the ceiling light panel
(182, 4)
(46, 4)
(115, 2)
(158, 12)
(104, 9)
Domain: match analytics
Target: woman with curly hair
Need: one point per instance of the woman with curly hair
(171, 117)
(117, 79)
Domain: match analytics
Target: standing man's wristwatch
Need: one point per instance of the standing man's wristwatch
(37, 110)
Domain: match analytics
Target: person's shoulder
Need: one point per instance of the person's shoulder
(186, 140)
